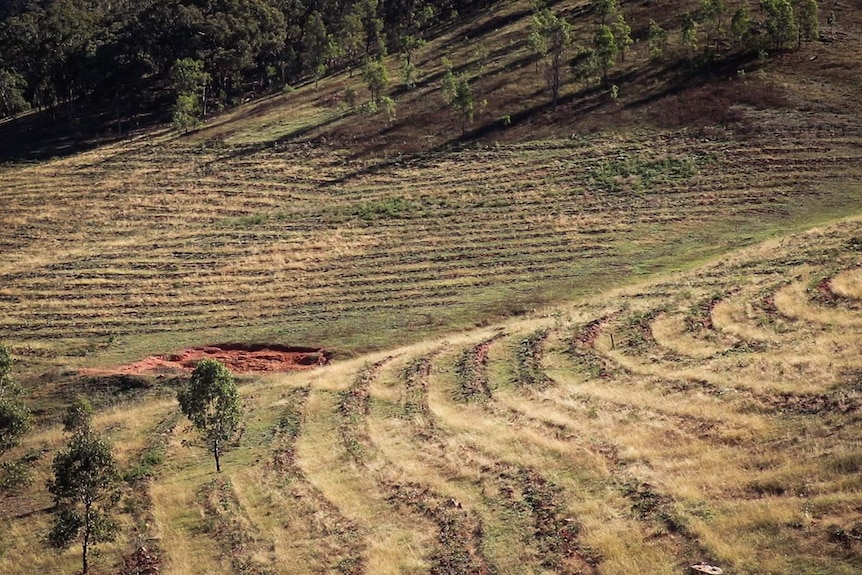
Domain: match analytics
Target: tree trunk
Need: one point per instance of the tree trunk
(215, 453)
(117, 112)
(85, 542)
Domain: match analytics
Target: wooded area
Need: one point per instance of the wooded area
(121, 52)
(196, 57)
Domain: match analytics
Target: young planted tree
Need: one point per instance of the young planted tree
(551, 38)
(410, 39)
(387, 105)
(79, 416)
(409, 45)
(459, 97)
(14, 415)
(740, 25)
(14, 423)
(83, 489)
(657, 40)
(605, 10)
(187, 111)
(688, 35)
(211, 402)
(605, 50)
(809, 24)
(712, 15)
(781, 26)
(376, 78)
(5, 367)
(622, 34)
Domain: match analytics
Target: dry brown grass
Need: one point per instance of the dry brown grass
(745, 457)
(721, 423)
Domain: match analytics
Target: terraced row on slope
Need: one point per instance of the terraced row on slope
(144, 238)
(714, 416)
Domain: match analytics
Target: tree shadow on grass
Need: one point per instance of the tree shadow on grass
(61, 132)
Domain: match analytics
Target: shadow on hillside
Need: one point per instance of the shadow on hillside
(686, 93)
(46, 134)
(675, 79)
(241, 151)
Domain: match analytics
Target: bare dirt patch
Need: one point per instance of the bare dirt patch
(238, 357)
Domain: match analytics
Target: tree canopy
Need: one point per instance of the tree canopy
(14, 415)
(58, 52)
(211, 402)
(82, 486)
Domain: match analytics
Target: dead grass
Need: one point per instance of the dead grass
(719, 424)
(744, 456)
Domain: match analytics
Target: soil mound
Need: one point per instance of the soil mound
(238, 357)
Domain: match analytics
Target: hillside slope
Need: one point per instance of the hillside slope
(710, 416)
(512, 102)
(616, 337)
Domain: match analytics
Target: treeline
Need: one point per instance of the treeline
(205, 54)
(116, 53)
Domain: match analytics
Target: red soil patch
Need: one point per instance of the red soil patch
(238, 357)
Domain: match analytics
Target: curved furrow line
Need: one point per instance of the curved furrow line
(761, 385)
(177, 511)
(473, 373)
(752, 318)
(821, 292)
(582, 344)
(339, 460)
(528, 361)
(704, 408)
(848, 284)
(459, 547)
(740, 367)
(633, 336)
(793, 301)
(629, 393)
(693, 335)
(646, 504)
(227, 523)
(354, 408)
(146, 552)
(505, 499)
(509, 456)
(310, 530)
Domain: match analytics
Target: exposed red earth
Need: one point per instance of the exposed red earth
(238, 357)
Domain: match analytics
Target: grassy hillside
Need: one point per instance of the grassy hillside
(145, 247)
(616, 337)
(709, 416)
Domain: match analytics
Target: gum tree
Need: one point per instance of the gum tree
(83, 488)
(657, 40)
(376, 78)
(781, 23)
(551, 38)
(809, 24)
(14, 415)
(605, 10)
(211, 402)
(459, 97)
(606, 50)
